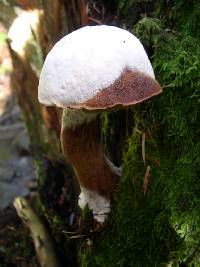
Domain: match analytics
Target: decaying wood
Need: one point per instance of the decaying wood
(74, 8)
(43, 243)
(84, 10)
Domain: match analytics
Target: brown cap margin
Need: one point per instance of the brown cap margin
(130, 88)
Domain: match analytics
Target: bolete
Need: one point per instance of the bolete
(89, 71)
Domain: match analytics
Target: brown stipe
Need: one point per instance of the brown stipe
(82, 148)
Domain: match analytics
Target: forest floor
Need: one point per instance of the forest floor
(17, 177)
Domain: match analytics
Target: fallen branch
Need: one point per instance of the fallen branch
(43, 244)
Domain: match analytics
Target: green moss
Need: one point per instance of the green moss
(138, 232)
(162, 229)
(114, 132)
(124, 5)
(40, 171)
(148, 30)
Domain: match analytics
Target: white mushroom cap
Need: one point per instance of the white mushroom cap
(88, 60)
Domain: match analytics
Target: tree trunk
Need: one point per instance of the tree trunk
(154, 219)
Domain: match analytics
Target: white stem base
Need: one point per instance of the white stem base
(99, 205)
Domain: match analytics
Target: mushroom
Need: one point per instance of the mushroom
(89, 71)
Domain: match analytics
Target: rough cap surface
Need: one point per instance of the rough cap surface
(87, 61)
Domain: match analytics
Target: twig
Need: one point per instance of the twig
(66, 232)
(74, 235)
(96, 8)
(136, 130)
(146, 182)
(99, 11)
(143, 148)
(95, 20)
(43, 244)
(143, 143)
(77, 236)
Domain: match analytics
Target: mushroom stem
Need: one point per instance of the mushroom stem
(82, 148)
